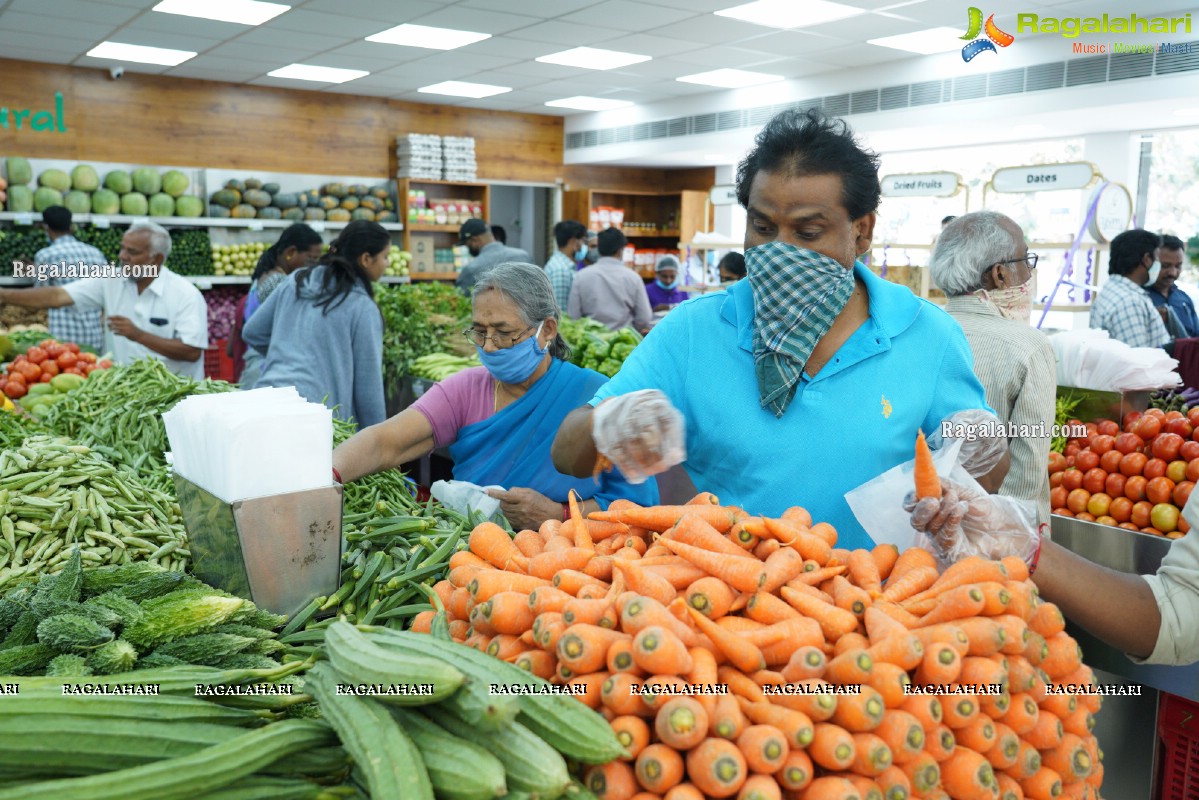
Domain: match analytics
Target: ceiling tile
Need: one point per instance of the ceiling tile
(262, 54)
(376, 51)
(710, 29)
(700, 6)
(105, 64)
(652, 71)
(213, 73)
(38, 54)
(866, 26)
(509, 101)
(175, 41)
(333, 59)
(547, 72)
(936, 13)
(879, 5)
(630, 16)
(142, 4)
(473, 19)
(532, 8)
(211, 63)
(508, 78)
(647, 45)
(273, 37)
(327, 24)
(287, 83)
(379, 10)
(793, 67)
(74, 28)
(189, 26)
(462, 59)
(514, 48)
(52, 45)
(795, 43)
(566, 35)
(718, 58)
(675, 89)
(75, 10)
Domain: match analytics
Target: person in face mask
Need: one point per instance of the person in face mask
(499, 419)
(1122, 308)
(571, 238)
(807, 379)
(664, 293)
(982, 264)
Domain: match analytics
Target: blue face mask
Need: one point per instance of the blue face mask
(669, 287)
(582, 254)
(516, 363)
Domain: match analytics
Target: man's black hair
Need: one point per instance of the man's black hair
(610, 242)
(801, 143)
(1172, 242)
(1129, 249)
(569, 229)
(947, 220)
(57, 219)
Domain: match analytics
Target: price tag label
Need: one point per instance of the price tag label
(317, 225)
(24, 219)
(255, 226)
(101, 222)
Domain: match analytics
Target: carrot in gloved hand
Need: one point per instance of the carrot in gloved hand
(925, 472)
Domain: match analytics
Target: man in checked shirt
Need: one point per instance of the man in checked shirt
(1122, 308)
(69, 324)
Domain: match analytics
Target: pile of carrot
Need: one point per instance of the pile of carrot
(634, 598)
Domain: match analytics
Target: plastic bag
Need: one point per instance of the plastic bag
(979, 453)
(468, 499)
(641, 433)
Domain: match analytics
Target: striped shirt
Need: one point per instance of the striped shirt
(1127, 314)
(70, 324)
(560, 269)
(1016, 365)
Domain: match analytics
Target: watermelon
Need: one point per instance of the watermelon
(147, 181)
(162, 205)
(189, 206)
(55, 179)
(45, 197)
(174, 182)
(18, 171)
(84, 178)
(77, 202)
(106, 201)
(118, 181)
(134, 204)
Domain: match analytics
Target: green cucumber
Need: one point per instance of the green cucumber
(446, 755)
(164, 708)
(358, 660)
(530, 764)
(474, 704)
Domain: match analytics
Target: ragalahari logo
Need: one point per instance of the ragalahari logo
(994, 36)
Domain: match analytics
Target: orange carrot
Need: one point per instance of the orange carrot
(817, 576)
(584, 648)
(831, 747)
(661, 518)
(831, 788)
(620, 692)
(659, 768)
(853, 599)
(967, 775)
(864, 573)
(684, 791)
(940, 743)
(909, 584)
(547, 629)
(796, 772)
(696, 532)
(1006, 749)
(859, 713)
(871, 755)
(488, 583)
(782, 566)
(556, 543)
(538, 662)
(896, 613)
(995, 706)
(806, 662)
(1023, 715)
(1027, 762)
(716, 766)
(459, 629)
(1080, 723)
(646, 583)
(960, 710)
(765, 748)
(743, 574)
(745, 655)
(951, 633)
(1044, 785)
(885, 556)
(680, 574)
(547, 598)
(508, 612)
(727, 722)
(902, 733)
(612, 781)
(1065, 656)
(923, 772)
(529, 543)
(979, 736)
(941, 664)
(803, 541)
(586, 611)
(912, 558)
(766, 548)
(760, 787)
(810, 591)
(925, 471)
(620, 658)
(982, 672)
(768, 609)
(572, 581)
(506, 647)
(834, 622)
(681, 723)
(640, 612)
(742, 685)
(659, 652)
(954, 604)
(492, 543)
(880, 626)
(591, 693)
(711, 597)
(465, 558)
(849, 668)
(1069, 759)
(970, 570)
(906, 651)
(633, 734)
(891, 681)
(1023, 598)
(894, 783)
(927, 710)
(703, 673)
(599, 568)
(819, 705)
(1047, 733)
(464, 574)
(423, 622)
(795, 725)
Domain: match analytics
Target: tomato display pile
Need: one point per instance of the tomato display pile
(40, 363)
(1136, 475)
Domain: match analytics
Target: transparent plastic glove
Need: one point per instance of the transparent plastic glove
(641, 433)
(982, 449)
(968, 521)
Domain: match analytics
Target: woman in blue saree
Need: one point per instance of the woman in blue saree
(499, 420)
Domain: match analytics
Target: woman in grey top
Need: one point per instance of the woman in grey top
(321, 331)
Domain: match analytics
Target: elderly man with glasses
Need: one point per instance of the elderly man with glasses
(982, 264)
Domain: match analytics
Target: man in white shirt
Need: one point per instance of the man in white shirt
(161, 315)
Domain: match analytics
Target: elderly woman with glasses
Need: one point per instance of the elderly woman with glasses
(499, 420)
(982, 264)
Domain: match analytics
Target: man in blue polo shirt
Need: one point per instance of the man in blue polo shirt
(807, 379)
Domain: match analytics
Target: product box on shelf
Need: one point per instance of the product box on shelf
(422, 248)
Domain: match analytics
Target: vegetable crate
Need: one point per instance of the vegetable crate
(280, 551)
(217, 364)
(1178, 727)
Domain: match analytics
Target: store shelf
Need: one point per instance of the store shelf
(433, 276)
(208, 281)
(670, 234)
(421, 228)
(191, 222)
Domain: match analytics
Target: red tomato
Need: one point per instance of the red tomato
(1132, 464)
(1057, 461)
(1110, 461)
(1156, 412)
(1193, 415)
(1107, 427)
(1134, 488)
(1120, 509)
(106, 364)
(1173, 415)
(1189, 451)
(30, 370)
(1182, 493)
(1193, 470)
(1086, 460)
(1140, 513)
(55, 350)
(36, 354)
(1129, 442)
(74, 348)
(17, 377)
(1104, 443)
(1147, 427)
(74, 371)
(1055, 480)
(1183, 525)
(1106, 520)
(1093, 480)
(1057, 497)
(1159, 490)
(1167, 446)
(1072, 449)
(1114, 485)
(1077, 500)
(87, 368)
(1130, 419)
(50, 367)
(67, 360)
(1180, 426)
(1085, 516)
(1164, 517)
(1098, 504)
(1154, 468)
(1128, 526)
(1063, 512)
(88, 357)
(15, 390)
(1072, 479)
(1151, 531)
(45, 378)
(1177, 471)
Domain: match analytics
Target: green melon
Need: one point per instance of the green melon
(134, 204)
(84, 178)
(373, 203)
(270, 188)
(106, 201)
(20, 198)
(174, 182)
(118, 181)
(284, 200)
(226, 197)
(337, 190)
(363, 213)
(18, 171)
(189, 206)
(78, 202)
(270, 212)
(293, 214)
(235, 184)
(218, 212)
(55, 179)
(311, 213)
(253, 183)
(338, 215)
(381, 191)
(359, 190)
(162, 205)
(386, 216)
(256, 198)
(244, 211)
(147, 181)
(314, 197)
(350, 203)
(328, 202)
(45, 197)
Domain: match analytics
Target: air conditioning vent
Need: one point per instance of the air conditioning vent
(729, 120)
(837, 105)
(1179, 61)
(1130, 65)
(1086, 70)
(970, 87)
(863, 102)
(926, 93)
(703, 123)
(893, 98)
(678, 126)
(1010, 81)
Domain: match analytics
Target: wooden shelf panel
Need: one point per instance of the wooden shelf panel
(433, 276)
(422, 228)
(671, 234)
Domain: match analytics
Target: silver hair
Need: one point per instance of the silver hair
(160, 239)
(667, 262)
(968, 246)
(529, 288)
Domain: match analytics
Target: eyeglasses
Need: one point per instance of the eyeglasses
(1031, 258)
(502, 340)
